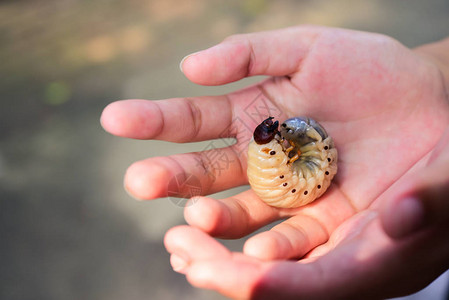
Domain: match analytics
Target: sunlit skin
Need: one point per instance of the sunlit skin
(381, 228)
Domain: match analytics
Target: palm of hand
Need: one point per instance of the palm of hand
(384, 106)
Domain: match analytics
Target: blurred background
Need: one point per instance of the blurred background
(67, 228)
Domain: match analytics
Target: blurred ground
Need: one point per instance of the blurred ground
(67, 228)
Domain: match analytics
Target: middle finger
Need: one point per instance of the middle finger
(187, 174)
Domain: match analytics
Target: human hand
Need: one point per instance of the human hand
(385, 108)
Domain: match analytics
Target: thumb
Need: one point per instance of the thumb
(424, 204)
(273, 53)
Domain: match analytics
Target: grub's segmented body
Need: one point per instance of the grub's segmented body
(291, 167)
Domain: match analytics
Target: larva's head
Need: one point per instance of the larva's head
(266, 131)
(302, 130)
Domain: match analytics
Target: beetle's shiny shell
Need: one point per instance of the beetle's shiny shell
(288, 185)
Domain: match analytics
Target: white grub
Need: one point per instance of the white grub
(285, 184)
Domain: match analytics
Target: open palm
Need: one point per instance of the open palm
(385, 108)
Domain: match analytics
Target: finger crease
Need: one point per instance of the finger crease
(252, 59)
(247, 214)
(321, 226)
(162, 123)
(299, 230)
(207, 166)
(196, 116)
(349, 200)
(179, 167)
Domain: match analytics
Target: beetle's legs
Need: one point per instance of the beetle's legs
(293, 159)
(289, 149)
(292, 146)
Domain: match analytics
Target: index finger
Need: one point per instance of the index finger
(174, 120)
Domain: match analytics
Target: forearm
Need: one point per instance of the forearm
(438, 53)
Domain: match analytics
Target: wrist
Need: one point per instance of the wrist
(438, 54)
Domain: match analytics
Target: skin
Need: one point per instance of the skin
(380, 229)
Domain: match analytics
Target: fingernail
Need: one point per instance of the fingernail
(185, 58)
(410, 216)
(178, 263)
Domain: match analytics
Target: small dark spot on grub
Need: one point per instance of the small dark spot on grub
(327, 172)
(319, 186)
(294, 190)
(272, 152)
(328, 159)
(282, 176)
(326, 147)
(284, 184)
(306, 192)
